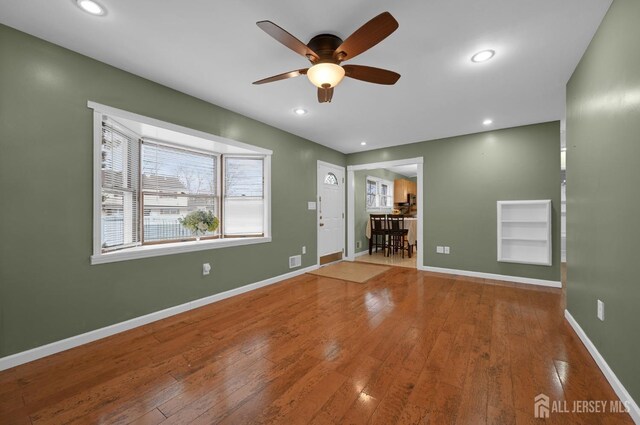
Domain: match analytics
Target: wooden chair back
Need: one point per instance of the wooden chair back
(378, 223)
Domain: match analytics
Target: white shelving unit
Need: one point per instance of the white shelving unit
(524, 232)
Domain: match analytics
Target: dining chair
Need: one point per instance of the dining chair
(398, 234)
(379, 232)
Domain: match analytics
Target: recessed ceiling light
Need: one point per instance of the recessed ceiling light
(483, 56)
(300, 111)
(363, 143)
(91, 7)
(487, 122)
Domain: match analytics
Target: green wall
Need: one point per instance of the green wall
(603, 147)
(465, 176)
(361, 216)
(48, 290)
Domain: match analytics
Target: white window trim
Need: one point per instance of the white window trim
(378, 181)
(146, 251)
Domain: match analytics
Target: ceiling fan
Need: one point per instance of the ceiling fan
(327, 51)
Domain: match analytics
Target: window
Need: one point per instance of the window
(243, 196)
(145, 187)
(175, 182)
(378, 194)
(331, 179)
(119, 195)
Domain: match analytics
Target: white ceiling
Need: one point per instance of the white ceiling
(409, 170)
(213, 50)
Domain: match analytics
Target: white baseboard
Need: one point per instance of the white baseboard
(356, 255)
(620, 390)
(516, 279)
(85, 338)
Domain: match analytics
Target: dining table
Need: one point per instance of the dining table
(410, 223)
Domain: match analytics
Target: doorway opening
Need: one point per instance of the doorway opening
(391, 190)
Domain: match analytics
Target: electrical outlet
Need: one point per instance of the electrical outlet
(304, 249)
(358, 244)
(446, 250)
(440, 249)
(601, 310)
(206, 269)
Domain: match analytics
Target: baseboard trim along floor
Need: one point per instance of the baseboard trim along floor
(615, 383)
(85, 338)
(513, 279)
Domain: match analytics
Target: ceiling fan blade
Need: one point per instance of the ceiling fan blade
(367, 36)
(288, 40)
(371, 74)
(282, 76)
(325, 95)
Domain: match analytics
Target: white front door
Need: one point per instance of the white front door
(330, 212)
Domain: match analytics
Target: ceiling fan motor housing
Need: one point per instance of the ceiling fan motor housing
(324, 45)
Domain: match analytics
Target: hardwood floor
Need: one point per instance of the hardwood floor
(407, 347)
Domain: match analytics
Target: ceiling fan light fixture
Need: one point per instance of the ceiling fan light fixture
(325, 75)
(483, 56)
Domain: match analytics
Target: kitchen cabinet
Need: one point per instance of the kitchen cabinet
(399, 191)
(403, 187)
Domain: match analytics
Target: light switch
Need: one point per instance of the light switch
(439, 249)
(206, 269)
(446, 249)
(311, 205)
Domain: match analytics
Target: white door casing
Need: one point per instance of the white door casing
(330, 209)
(351, 169)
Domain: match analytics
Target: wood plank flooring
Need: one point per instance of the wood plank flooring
(407, 347)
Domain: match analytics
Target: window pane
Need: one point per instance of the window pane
(331, 179)
(244, 196)
(119, 219)
(372, 187)
(243, 216)
(243, 177)
(161, 214)
(171, 170)
(119, 173)
(371, 201)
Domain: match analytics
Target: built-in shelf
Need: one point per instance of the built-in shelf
(524, 232)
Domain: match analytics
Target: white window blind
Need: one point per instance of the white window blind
(243, 196)
(175, 182)
(120, 176)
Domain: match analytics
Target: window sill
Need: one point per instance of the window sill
(173, 248)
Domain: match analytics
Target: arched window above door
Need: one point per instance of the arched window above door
(331, 178)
